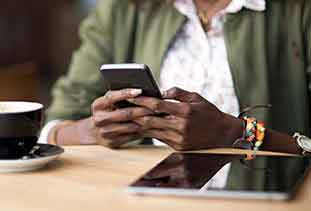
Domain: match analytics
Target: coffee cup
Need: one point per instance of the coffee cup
(20, 124)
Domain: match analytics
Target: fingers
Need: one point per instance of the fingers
(181, 95)
(112, 97)
(117, 142)
(116, 130)
(175, 123)
(102, 118)
(169, 137)
(161, 106)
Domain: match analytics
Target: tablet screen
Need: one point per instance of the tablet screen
(263, 177)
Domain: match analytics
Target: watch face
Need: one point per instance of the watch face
(304, 143)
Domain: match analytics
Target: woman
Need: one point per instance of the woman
(227, 54)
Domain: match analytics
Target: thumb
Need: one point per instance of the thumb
(181, 95)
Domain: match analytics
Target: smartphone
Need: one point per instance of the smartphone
(123, 76)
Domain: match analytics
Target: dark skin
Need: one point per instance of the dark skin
(189, 122)
(108, 126)
(192, 122)
(183, 128)
(211, 7)
(115, 127)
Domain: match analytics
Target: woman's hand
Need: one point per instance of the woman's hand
(191, 124)
(114, 127)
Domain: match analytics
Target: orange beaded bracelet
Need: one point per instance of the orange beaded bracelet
(254, 132)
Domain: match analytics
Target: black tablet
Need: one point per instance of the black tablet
(224, 175)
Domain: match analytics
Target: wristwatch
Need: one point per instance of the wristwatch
(304, 143)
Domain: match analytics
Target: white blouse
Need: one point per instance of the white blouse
(198, 62)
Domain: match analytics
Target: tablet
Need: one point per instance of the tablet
(224, 176)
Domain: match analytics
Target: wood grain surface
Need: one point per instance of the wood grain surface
(91, 178)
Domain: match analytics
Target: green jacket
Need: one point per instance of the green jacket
(269, 54)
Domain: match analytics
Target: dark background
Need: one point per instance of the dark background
(37, 39)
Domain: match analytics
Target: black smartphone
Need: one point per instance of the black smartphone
(123, 76)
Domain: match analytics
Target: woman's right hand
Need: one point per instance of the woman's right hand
(114, 127)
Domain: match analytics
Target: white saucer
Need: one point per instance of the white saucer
(45, 154)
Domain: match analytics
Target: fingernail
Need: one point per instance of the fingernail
(131, 100)
(136, 91)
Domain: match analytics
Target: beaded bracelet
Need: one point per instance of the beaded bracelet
(250, 129)
(260, 135)
(254, 133)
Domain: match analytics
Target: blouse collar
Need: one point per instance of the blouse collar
(187, 7)
(237, 5)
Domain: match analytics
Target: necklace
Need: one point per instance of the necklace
(205, 20)
(203, 16)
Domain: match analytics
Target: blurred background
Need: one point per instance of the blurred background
(37, 39)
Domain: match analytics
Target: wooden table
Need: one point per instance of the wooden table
(95, 178)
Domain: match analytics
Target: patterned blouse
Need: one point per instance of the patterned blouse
(197, 61)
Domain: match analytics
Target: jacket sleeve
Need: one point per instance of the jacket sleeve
(74, 92)
(307, 36)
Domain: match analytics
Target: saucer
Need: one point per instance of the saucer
(44, 154)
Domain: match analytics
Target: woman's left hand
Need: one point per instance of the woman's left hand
(192, 122)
